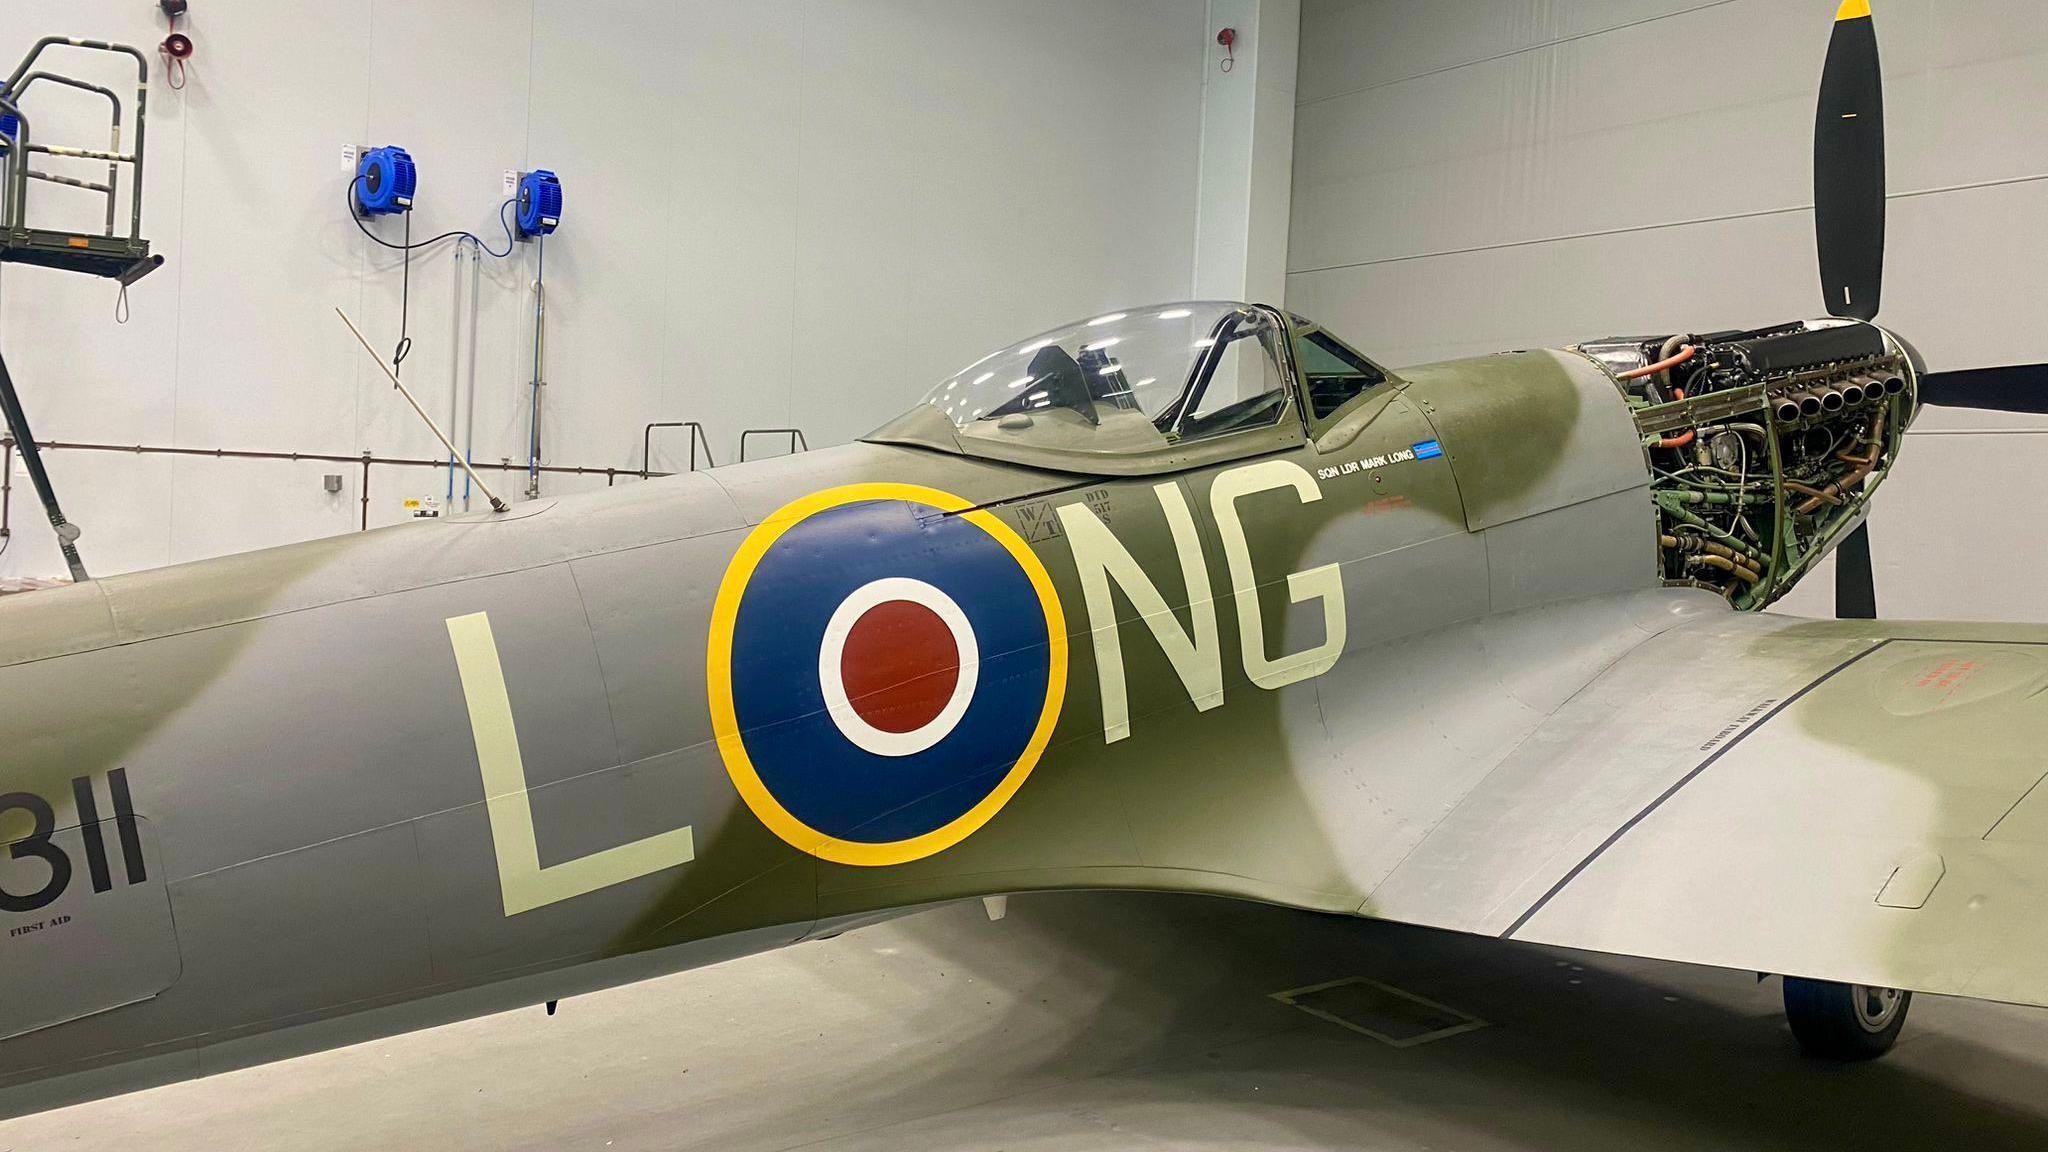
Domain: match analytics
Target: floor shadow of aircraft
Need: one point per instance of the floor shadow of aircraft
(1166, 1014)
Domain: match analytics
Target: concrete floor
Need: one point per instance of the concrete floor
(1116, 1022)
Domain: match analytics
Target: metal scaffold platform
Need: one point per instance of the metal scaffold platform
(124, 259)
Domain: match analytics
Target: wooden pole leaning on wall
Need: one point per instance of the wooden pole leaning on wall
(497, 505)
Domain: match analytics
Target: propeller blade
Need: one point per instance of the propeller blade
(1855, 587)
(2017, 388)
(1848, 167)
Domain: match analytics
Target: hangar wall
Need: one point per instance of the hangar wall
(781, 212)
(1475, 177)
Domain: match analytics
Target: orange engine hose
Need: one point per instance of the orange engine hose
(1684, 354)
(1678, 394)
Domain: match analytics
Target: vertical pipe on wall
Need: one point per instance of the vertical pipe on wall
(455, 356)
(476, 264)
(454, 360)
(540, 328)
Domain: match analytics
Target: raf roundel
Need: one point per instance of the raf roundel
(885, 668)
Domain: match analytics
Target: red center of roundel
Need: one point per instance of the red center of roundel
(900, 666)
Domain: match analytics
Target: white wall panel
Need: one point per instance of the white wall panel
(266, 246)
(1555, 142)
(1536, 172)
(1360, 44)
(780, 211)
(1025, 165)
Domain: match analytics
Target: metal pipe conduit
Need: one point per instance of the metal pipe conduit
(364, 460)
(476, 263)
(325, 457)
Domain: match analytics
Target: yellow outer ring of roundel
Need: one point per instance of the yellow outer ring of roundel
(725, 722)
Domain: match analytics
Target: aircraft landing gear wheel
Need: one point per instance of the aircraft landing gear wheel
(1844, 1021)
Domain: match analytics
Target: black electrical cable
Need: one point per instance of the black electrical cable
(349, 197)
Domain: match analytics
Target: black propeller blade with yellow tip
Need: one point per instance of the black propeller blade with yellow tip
(1849, 226)
(1848, 167)
(1849, 214)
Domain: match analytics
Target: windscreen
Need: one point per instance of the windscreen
(1125, 381)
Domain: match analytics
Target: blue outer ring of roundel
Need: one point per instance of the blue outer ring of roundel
(791, 763)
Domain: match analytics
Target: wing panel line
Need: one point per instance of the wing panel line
(1688, 778)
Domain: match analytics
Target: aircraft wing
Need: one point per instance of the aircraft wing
(1860, 801)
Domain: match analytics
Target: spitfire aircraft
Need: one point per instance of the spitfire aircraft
(1191, 597)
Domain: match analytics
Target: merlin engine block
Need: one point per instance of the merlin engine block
(1763, 446)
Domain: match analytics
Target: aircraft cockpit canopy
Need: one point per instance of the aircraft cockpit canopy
(1124, 382)
(1142, 390)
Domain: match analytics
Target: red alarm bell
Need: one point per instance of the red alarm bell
(177, 47)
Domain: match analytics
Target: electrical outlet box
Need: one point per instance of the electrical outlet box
(331, 482)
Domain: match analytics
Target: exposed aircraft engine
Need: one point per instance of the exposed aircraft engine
(1763, 446)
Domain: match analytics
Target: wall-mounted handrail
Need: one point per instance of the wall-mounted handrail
(797, 443)
(696, 437)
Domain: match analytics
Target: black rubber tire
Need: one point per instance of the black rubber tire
(1827, 1023)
